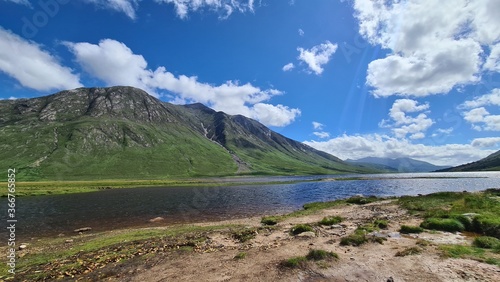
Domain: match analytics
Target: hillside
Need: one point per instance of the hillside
(490, 163)
(396, 165)
(124, 133)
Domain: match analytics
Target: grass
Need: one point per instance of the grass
(307, 209)
(359, 200)
(443, 224)
(301, 228)
(409, 251)
(330, 220)
(240, 255)
(408, 229)
(321, 255)
(313, 255)
(450, 211)
(470, 252)
(486, 242)
(245, 235)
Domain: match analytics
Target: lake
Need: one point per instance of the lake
(51, 215)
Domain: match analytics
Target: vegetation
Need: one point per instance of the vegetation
(321, 255)
(245, 234)
(270, 220)
(469, 252)
(486, 242)
(331, 220)
(240, 255)
(448, 211)
(294, 262)
(381, 223)
(360, 200)
(409, 251)
(407, 229)
(301, 228)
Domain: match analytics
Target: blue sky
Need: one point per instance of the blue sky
(354, 78)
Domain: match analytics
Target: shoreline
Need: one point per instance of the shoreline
(244, 248)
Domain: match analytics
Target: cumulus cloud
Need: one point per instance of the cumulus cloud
(224, 7)
(403, 124)
(128, 7)
(474, 111)
(301, 32)
(493, 61)
(322, 134)
(114, 63)
(436, 45)
(375, 145)
(32, 66)
(288, 67)
(317, 56)
(317, 125)
(486, 142)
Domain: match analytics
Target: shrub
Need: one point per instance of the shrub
(300, 228)
(321, 255)
(443, 224)
(406, 229)
(294, 262)
(269, 220)
(330, 220)
(486, 242)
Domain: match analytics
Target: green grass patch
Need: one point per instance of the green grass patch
(294, 262)
(381, 223)
(360, 200)
(330, 220)
(469, 252)
(443, 224)
(408, 229)
(321, 255)
(301, 228)
(270, 220)
(355, 239)
(240, 255)
(245, 235)
(486, 242)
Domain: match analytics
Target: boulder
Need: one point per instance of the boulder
(307, 234)
(83, 229)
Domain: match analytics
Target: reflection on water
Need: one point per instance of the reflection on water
(108, 209)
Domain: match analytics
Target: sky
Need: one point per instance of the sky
(354, 78)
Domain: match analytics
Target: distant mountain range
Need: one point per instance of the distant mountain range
(396, 165)
(124, 133)
(490, 163)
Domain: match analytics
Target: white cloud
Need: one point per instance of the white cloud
(375, 145)
(301, 32)
(486, 142)
(288, 67)
(403, 124)
(317, 56)
(128, 7)
(115, 64)
(493, 61)
(224, 7)
(442, 131)
(32, 66)
(322, 134)
(22, 2)
(476, 113)
(436, 45)
(317, 125)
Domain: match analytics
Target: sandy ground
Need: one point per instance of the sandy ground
(215, 261)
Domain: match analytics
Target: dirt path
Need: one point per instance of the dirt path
(263, 254)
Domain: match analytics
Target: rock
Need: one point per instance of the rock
(84, 229)
(69, 241)
(156, 219)
(335, 226)
(308, 234)
(22, 246)
(390, 279)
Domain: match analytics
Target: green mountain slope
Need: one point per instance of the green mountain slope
(490, 163)
(397, 164)
(124, 133)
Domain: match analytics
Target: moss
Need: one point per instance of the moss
(406, 229)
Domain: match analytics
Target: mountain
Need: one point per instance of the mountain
(124, 133)
(396, 165)
(491, 162)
